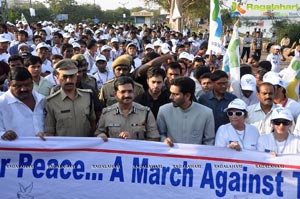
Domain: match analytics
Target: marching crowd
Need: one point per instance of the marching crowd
(145, 83)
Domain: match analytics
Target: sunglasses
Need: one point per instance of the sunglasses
(284, 122)
(236, 113)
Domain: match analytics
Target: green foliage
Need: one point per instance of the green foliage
(285, 27)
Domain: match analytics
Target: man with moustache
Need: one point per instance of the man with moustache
(22, 108)
(69, 111)
(259, 114)
(126, 119)
(184, 121)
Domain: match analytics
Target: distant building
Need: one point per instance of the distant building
(142, 17)
(11, 3)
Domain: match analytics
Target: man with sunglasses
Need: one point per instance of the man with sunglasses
(237, 134)
(279, 141)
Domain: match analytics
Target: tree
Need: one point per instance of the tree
(59, 6)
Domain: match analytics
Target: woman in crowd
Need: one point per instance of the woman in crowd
(280, 140)
(237, 134)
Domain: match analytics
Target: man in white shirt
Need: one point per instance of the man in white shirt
(4, 43)
(103, 74)
(22, 109)
(275, 59)
(42, 50)
(259, 114)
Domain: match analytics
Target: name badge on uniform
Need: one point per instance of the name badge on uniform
(113, 125)
(65, 111)
(140, 124)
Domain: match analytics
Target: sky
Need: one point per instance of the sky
(113, 4)
(110, 4)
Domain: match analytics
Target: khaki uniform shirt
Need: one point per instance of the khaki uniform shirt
(107, 92)
(140, 122)
(66, 117)
(92, 82)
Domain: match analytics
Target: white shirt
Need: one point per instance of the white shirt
(275, 61)
(267, 143)
(47, 66)
(296, 131)
(259, 119)
(4, 57)
(247, 140)
(16, 116)
(101, 78)
(56, 50)
(53, 79)
(247, 42)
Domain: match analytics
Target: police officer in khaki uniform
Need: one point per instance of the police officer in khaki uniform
(121, 67)
(87, 79)
(69, 111)
(127, 119)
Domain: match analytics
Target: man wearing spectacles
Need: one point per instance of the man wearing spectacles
(126, 119)
(218, 98)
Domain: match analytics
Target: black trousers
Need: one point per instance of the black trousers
(246, 51)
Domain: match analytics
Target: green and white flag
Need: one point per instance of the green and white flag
(23, 19)
(231, 61)
(292, 76)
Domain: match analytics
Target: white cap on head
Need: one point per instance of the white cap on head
(277, 47)
(66, 35)
(42, 45)
(101, 58)
(4, 38)
(75, 45)
(281, 113)
(105, 47)
(274, 79)
(184, 55)
(149, 46)
(130, 44)
(165, 48)
(248, 82)
(157, 43)
(236, 104)
(114, 39)
(23, 45)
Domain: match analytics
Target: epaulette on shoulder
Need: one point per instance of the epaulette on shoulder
(53, 95)
(107, 109)
(85, 90)
(141, 107)
(109, 81)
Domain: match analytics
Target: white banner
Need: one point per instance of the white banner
(89, 168)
